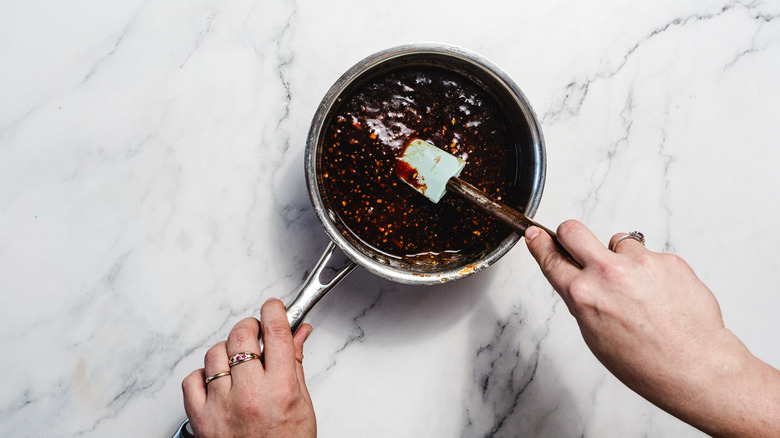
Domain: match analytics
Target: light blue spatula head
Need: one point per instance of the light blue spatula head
(427, 168)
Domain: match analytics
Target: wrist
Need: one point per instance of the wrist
(726, 391)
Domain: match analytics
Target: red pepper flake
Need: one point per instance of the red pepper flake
(361, 166)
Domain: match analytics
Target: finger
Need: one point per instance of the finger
(216, 362)
(298, 339)
(194, 389)
(621, 244)
(244, 339)
(277, 340)
(583, 245)
(554, 265)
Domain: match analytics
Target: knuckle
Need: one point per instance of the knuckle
(240, 335)
(249, 322)
(567, 227)
(186, 383)
(579, 289)
(675, 260)
(276, 329)
(613, 272)
(214, 354)
(582, 294)
(645, 260)
(673, 264)
(271, 303)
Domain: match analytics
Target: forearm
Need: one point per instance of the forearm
(650, 320)
(728, 393)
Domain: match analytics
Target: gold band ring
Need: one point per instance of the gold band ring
(242, 357)
(217, 376)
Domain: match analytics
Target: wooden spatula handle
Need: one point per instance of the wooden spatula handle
(506, 214)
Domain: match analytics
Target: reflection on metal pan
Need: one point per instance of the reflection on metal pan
(497, 85)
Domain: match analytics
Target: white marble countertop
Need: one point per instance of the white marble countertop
(152, 194)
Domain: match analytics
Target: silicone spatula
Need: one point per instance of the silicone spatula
(432, 172)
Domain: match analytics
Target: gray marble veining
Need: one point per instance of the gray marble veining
(152, 194)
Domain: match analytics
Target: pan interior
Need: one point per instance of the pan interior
(524, 150)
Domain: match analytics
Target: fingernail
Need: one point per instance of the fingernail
(532, 232)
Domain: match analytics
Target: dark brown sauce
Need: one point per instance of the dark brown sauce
(408, 174)
(369, 132)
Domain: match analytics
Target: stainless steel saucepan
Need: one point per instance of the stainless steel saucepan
(333, 266)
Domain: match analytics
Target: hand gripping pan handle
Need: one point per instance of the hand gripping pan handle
(327, 273)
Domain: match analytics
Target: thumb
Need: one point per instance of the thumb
(299, 338)
(558, 270)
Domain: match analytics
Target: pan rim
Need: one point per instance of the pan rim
(371, 63)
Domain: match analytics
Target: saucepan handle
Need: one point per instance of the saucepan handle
(183, 431)
(332, 267)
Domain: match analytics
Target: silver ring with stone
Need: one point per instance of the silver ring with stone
(636, 235)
